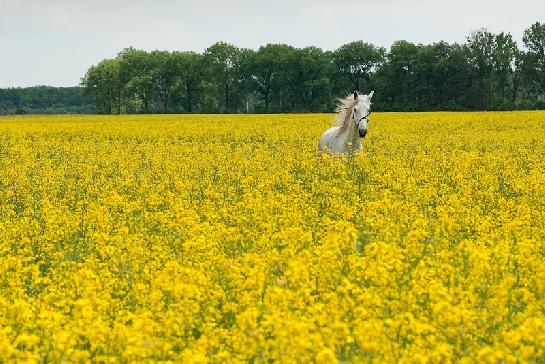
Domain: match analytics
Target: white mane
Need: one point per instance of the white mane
(344, 110)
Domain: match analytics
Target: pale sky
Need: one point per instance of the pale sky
(53, 42)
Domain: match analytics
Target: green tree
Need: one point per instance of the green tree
(223, 62)
(165, 76)
(356, 61)
(244, 80)
(439, 80)
(137, 74)
(505, 68)
(103, 82)
(270, 73)
(534, 59)
(481, 45)
(189, 67)
(398, 76)
(458, 78)
(311, 73)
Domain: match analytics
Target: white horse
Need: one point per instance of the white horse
(350, 125)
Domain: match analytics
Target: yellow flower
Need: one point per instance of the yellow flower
(226, 238)
(326, 356)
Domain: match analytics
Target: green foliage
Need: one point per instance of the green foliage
(223, 64)
(489, 71)
(103, 82)
(356, 61)
(190, 84)
(270, 71)
(534, 60)
(45, 100)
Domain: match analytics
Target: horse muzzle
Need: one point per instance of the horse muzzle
(362, 132)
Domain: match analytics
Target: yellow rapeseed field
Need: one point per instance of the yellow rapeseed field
(225, 238)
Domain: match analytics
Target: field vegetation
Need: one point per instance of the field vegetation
(214, 238)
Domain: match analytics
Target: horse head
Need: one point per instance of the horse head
(361, 112)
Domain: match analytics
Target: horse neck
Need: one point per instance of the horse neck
(351, 132)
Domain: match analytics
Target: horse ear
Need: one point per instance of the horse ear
(370, 95)
(355, 95)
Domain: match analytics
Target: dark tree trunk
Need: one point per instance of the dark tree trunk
(226, 97)
(188, 99)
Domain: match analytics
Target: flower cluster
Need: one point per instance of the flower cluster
(219, 238)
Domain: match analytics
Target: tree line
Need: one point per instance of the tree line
(46, 100)
(486, 72)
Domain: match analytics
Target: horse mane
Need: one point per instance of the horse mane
(344, 110)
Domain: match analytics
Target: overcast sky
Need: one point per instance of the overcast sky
(53, 42)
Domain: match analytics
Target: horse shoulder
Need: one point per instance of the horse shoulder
(326, 138)
(331, 132)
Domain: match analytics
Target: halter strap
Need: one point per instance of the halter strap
(363, 117)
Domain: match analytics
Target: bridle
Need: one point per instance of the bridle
(362, 118)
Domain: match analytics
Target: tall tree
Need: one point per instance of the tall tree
(104, 83)
(223, 60)
(137, 74)
(311, 74)
(356, 61)
(534, 58)
(459, 78)
(189, 67)
(270, 73)
(164, 76)
(244, 78)
(398, 75)
(481, 44)
(504, 70)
